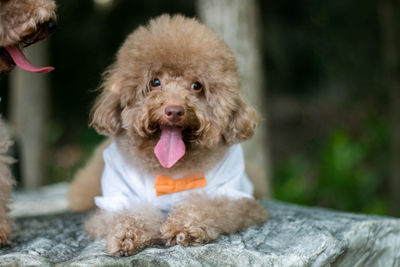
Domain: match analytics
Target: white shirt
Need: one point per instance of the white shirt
(125, 187)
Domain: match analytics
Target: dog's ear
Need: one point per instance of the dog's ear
(105, 114)
(242, 123)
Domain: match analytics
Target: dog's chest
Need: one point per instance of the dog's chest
(125, 186)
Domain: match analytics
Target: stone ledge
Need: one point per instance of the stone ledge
(48, 199)
(294, 236)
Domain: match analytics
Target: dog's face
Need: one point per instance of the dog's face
(22, 23)
(175, 87)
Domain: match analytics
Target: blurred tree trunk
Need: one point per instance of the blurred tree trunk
(29, 109)
(237, 22)
(391, 65)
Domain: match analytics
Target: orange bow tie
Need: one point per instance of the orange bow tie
(167, 185)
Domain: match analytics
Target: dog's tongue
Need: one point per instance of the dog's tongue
(170, 148)
(21, 61)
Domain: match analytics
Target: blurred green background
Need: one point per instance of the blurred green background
(328, 101)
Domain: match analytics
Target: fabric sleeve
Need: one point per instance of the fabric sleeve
(230, 178)
(117, 195)
(238, 187)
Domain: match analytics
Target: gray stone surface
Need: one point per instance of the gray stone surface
(294, 236)
(45, 200)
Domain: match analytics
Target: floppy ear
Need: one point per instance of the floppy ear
(242, 123)
(105, 114)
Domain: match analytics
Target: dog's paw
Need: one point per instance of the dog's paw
(126, 242)
(175, 233)
(129, 236)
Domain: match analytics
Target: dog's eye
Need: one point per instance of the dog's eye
(155, 83)
(196, 86)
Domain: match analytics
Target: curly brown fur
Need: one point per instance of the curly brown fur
(127, 232)
(202, 219)
(178, 52)
(6, 183)
(23, 22)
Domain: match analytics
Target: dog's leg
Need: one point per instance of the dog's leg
(127, 232)
(6, 184)
(203, 219)
(5, 189)
(5, 226)
(5, 221)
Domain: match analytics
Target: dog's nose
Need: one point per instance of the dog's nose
(51, 25)
(174, 113)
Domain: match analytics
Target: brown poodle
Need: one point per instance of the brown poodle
(173, 170)
(22, 22)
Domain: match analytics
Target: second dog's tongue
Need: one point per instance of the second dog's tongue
(21, 61)
(170, 148)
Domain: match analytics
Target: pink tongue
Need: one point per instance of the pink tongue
(21, 61)
(170, 148)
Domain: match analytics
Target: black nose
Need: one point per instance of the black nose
(174, 113)
(51, 26)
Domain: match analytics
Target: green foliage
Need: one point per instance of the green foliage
(309, 44)
(347, 174)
